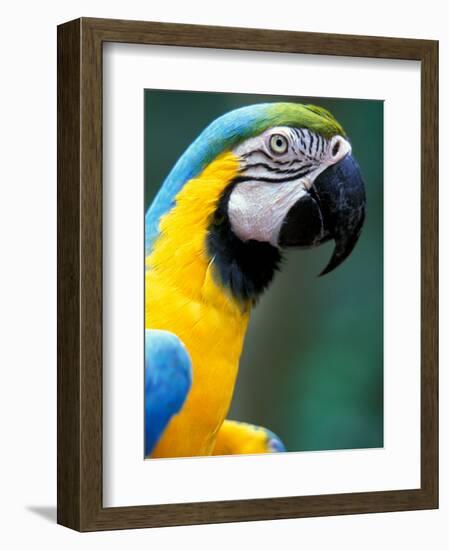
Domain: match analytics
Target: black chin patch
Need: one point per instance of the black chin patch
(303, 226)
(245, 268)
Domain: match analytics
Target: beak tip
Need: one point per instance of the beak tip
(342, 250)
(324, 272)
(330, 267)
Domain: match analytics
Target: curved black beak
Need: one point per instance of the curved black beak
(333, 209)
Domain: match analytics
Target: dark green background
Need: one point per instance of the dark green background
(312, 366)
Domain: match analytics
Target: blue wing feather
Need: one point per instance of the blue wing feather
(168, 377)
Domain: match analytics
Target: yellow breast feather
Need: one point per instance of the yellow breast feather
(184, 297)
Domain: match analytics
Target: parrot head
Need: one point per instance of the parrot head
(297, 185)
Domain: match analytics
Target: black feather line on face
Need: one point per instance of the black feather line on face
(244, 268)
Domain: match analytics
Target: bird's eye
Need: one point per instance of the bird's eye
(278, 144)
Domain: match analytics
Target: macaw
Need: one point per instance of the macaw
(257, 180)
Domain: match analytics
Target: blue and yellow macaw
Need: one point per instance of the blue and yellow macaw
(257, 180)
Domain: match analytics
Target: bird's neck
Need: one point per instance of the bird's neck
(199, 254)
(180, 255)
(244, 268)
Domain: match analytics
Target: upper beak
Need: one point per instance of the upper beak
(334, 208)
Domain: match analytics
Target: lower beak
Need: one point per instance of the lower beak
(334, 208)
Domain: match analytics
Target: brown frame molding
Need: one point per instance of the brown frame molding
(80, 274)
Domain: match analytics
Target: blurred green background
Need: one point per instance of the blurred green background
(312, 366)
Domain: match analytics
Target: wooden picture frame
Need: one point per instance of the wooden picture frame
(80, 351)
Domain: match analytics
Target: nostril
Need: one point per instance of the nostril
(336, 148)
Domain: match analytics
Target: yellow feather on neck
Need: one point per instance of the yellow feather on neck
(183, 296)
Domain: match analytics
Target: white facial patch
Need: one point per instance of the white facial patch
(278, 168)
(257, 209)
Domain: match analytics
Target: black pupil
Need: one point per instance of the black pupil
(279, 142)
(335, 148)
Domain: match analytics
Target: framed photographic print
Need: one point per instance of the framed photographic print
(247, 274)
